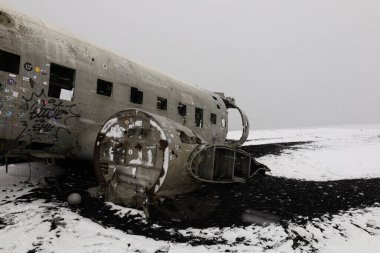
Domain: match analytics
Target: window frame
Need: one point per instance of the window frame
(14, 58)
(184, 112)
(136, 96)
(199, 121)
(162, 103)
(213, 118)
(109, 87)
(56, 71)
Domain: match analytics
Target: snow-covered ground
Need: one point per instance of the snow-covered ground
(302, 156)
(333, 154)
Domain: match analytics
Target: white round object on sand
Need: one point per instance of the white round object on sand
(74, 199)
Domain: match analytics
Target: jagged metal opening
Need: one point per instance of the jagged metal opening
(230, 105)
(221, 164)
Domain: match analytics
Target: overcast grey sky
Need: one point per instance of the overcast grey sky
(288, 63)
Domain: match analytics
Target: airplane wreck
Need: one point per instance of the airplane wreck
(149, 136)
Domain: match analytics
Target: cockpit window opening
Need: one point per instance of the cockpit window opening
(61, 83)
(198, 117)
(214, 98)
(162, 103)
(104, 88)
(137, 96)
(213, 118)
(182, 109)
(9, 62)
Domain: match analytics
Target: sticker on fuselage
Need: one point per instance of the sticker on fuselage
(28, 66)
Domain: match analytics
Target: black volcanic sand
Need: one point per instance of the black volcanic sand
(274, 148)
(283, 200)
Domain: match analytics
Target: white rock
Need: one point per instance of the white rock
(74, 199)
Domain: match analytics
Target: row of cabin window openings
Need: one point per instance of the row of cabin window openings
(137, 97)
(62, 80)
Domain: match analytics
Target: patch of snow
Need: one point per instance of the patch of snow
(116, 131)
(31, 228)
(108, 124)
(138, 160)
(156, 126)
(122, 211)
(110, 153)
(332, 154)
(150, 158)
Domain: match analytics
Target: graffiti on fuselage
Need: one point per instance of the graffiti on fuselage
(46, 116)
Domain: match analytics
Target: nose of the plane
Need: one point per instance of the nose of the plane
(132, 153)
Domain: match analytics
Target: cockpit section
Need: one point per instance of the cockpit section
(221, 164)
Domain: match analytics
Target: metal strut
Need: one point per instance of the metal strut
(230, 103)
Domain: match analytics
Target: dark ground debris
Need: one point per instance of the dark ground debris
(291, 200)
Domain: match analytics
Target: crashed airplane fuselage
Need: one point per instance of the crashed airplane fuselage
(148, 135)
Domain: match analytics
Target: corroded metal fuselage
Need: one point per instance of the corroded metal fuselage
(62, 97)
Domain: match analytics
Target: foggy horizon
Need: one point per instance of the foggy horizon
(292, 64)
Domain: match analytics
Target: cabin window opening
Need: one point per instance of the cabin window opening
(104, 88)
(214, 98)
(162, 103)
(184, 137)
(198, 117)
(218, 106)
(137, 96)
(213, 118)
(188, 139)
(182, 109)
(61, 83)
(9, 62)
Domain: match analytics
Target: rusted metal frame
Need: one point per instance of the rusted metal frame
(249, 164)
(233, 168)
(213, 181)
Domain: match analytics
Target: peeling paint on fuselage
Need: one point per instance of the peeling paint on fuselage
(159, 129)
(108, 125)
(116, 132)
(165, 167)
